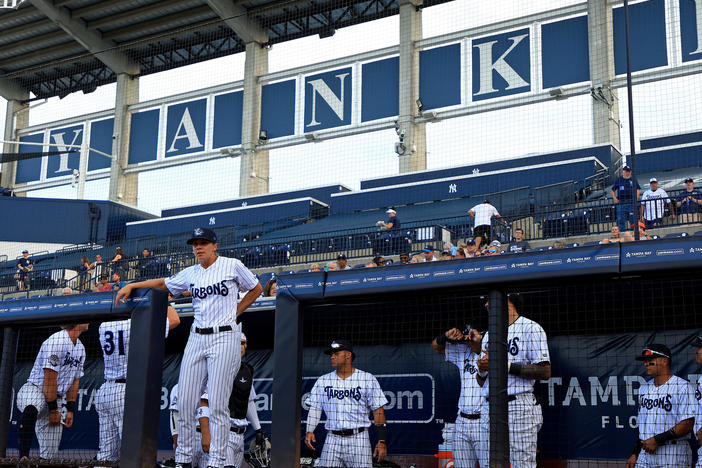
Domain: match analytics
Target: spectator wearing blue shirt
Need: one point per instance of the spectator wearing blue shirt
(117, 281)
(689, 203)
(624, 197)
(392, 223)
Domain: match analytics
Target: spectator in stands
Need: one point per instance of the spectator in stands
(404, 258)
(142, 263)
(460, 253)
(97, 267)
(117, 281)
(519, 244)
(495, 248)
(24, 266)
(559, 244)
(642, 232)
(419, 258)
(472, 249)
(116, 262)
(482, 215)
(653, 204)
(450, 248)
(379, 261)
(617, 236)
(623, 195)
(428, 252)
(67, 292)
(315, 267)
(331, 266)
(342, 262)
(393, 222)
(104, 285)
(84, 272)
(445, 255)
(271, 288)
(689, 203)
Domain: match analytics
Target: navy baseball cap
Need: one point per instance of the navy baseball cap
(339, 345)
(428, 248)
(203, 233)
(698, 342)
(689, 179)
(626, 168)
(654, 350)
(341, 256)
(25, 251)
(470, 242)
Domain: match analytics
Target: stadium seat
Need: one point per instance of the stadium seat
(698, 233)
(676, 234)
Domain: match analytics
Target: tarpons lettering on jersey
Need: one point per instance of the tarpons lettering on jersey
(662, 402)
(73, 361)
(469, 367)
(202, 292)
(513, 346)
(331, 393)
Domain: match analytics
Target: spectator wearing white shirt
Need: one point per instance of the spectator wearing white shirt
(482, 215)
(428, 252)
(653, 205)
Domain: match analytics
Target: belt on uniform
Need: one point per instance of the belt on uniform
(116, 381)
(235, 429)
(211, 330)
(470, 416)
(509, 398)
(348, 432)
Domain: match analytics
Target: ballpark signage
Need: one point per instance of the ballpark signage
(462, 73)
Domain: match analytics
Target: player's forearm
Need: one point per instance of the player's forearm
(540, 371)
(379, 416)
(249, 299)
(72, 392)
(684, 427)
(204, 426)
(313, 417)
(159, 283)
(252, 416)
(50, 387)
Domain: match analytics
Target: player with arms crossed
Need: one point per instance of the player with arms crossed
(54, 379)
(213, 353)
(666, 414)
(347, 395)
(109, 402)
(528, 360)
(462, 349)
(242, 407)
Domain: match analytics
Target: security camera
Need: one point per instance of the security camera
(400, 148)
(402, 135)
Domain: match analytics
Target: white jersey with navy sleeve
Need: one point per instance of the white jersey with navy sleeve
(347, 402)
(59, 354)
(526, 344)
(466, 360)
(214, 290)
(662, 407)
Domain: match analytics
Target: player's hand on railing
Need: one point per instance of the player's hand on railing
(309, 438)
(123, 294)
(380, 451)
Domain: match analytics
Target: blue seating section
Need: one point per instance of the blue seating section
(605, 153)
(322, 194)
(301, 209)
(669, 159)
(671, 140)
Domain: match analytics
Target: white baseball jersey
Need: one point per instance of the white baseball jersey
(526, 344)
(483, 214)
(214, 290)
(466, 360)
(662, 407)
(654, 203)
(114, 341)
(59, 354)
(347, 402)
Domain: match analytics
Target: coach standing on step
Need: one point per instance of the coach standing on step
(213, 352)
(623, 193)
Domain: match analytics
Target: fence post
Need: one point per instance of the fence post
(497, 350)
(7, 370)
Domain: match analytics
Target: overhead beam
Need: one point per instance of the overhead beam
(11, 90)
(91, 40)
(236, 17)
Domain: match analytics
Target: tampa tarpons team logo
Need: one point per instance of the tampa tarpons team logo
(54, 360)
(198, 232)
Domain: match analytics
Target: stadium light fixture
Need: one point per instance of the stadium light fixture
(420, 105)
(262, 136)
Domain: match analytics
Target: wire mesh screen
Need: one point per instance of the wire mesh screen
(585, 399)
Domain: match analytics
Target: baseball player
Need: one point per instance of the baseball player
(666, 414)
(528, 360)
(462, 349)
(242, 407)
(347, 395)
(53, 381)
(199, 456)
(109, 401)
(698, 396)
(213, 353)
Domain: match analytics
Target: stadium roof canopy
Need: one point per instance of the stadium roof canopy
(56, 47)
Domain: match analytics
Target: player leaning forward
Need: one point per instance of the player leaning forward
(54, 379)
(347, 396)
(213, 352)
(527, 361)
(666, 414)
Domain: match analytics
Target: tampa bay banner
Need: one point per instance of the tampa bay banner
(589, 403)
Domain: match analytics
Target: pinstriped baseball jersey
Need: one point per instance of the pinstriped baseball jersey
(114, 341)
(465, 359)
(662, 407)
(59, 354)
(526, 344)
(214, 290)
(347, 402)
(233, 421)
